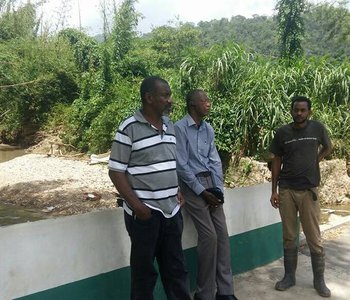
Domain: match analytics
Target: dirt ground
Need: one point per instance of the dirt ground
(56, 181)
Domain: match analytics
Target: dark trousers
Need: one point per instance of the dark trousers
(159, 238)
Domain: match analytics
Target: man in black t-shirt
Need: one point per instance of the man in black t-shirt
(298, 148)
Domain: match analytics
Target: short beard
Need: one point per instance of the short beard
(299, 121)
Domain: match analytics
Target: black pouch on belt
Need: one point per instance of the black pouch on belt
(314, 195)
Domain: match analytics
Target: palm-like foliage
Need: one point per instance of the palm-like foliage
(251, 96)
(96, 84)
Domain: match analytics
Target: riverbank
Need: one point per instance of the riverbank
(66, 186)
(56, 185)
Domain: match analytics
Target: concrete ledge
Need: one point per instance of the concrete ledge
(87, 256)
(326, 227)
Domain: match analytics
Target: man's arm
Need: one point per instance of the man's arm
(326, 145)
(275, 170)
(182, 157)
(325, 150)
(215, 164)
(186, 174)
(121, 183)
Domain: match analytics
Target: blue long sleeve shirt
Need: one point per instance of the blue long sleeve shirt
(196, 152)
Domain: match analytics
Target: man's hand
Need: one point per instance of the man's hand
(142, 211)
(180, 198)
(210, 199)
(121, 182)
(275, 200)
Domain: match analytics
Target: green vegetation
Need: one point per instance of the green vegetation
(69, 82)
(290, 28)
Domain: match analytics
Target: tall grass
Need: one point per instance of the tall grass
(251, 96)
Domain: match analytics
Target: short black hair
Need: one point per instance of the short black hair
(191, 96)
(301, 99)
(149, 84)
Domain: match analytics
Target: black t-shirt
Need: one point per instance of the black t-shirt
(299, 148)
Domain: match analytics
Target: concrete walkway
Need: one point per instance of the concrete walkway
(259, 283)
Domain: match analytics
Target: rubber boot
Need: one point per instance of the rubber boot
(318, 266)
(290, 266)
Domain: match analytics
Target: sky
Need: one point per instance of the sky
(156, 12)
(159, 12)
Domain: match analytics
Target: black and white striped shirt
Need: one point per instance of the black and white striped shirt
(149, 160)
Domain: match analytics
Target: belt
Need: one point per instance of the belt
(204, 174)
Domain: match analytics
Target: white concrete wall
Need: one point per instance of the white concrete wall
(49, 253)
(246, 209)
(45, 254)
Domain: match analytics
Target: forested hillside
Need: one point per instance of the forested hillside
(327, 30)
(79, 88)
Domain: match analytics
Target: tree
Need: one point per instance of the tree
(328, 30)
(35, 75)
(17, 23)
(85, 48)
(123, 33)
(173, 43)
(290, 28)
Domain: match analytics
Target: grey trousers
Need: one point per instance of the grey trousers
(214, 273)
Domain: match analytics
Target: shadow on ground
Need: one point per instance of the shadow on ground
(57, 197)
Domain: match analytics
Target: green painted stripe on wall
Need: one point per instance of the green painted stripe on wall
(248, 251)
(111, 285)
(256, 248)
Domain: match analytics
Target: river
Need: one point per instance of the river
(10, 214)
(8, 154)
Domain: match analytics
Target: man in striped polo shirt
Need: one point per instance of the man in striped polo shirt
(142, 167)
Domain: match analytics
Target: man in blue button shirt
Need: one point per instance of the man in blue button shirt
(201, 181)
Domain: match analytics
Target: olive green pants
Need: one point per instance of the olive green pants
(302, 201)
